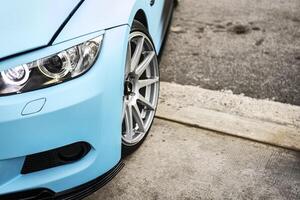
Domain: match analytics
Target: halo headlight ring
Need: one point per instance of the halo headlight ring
(65, 67)
(8, 77)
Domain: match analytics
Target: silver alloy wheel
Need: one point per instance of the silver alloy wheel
(141, 88)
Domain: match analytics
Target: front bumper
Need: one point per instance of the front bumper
(86, 109)
(76, 193)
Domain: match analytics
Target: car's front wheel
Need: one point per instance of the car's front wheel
(141, 88)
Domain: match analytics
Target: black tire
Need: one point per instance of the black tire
(176, 2)
(127, 150)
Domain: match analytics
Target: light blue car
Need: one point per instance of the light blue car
(79, 85)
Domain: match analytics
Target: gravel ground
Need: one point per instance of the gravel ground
(179, 162)
(250, 47)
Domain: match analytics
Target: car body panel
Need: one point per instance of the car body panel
(94, 15)
(29, 24)
(36, 28)
(83, 109)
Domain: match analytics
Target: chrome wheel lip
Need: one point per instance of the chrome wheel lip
(142, 77)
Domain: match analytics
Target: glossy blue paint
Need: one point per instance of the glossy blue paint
(87, 108)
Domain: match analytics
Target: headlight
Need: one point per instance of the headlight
(51, 70)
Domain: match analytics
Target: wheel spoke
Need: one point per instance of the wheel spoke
(145, 102)
(124, 108)
(129, 122)
(146, 82)
(137, 54)
(128, 61)
(138, 117)
(145, 63)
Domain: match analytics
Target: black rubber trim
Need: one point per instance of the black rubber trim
(53, 37)
(80, 192)
(34, 194)
(76, 193)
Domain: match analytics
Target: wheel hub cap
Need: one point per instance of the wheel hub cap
(128, 88)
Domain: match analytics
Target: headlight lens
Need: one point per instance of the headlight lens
(51, 70)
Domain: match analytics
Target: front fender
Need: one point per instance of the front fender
(95, 15)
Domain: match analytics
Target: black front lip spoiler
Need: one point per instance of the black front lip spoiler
(76, 193)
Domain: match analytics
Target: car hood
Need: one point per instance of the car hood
(30, 24)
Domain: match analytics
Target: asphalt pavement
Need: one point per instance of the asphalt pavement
(249, 47)
(180, 162)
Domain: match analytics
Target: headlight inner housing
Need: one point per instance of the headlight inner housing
(51, 70)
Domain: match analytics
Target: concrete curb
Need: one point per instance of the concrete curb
(259, 120)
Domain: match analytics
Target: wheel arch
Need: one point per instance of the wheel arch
(141, 17)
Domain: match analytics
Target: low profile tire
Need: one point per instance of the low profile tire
(141, 88)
